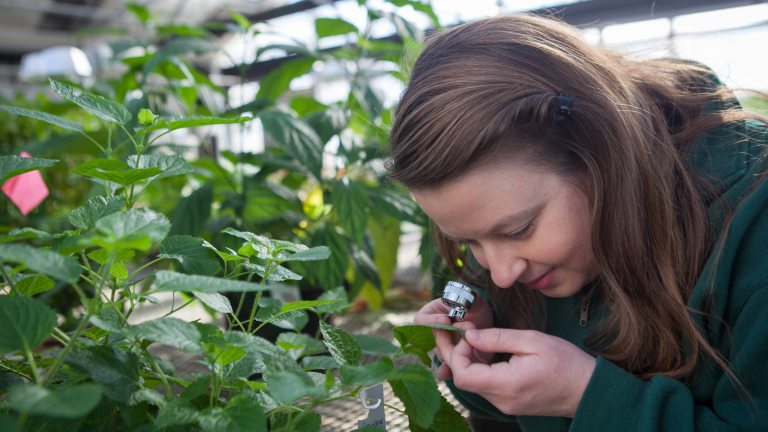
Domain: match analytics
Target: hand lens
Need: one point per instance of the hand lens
(459, 298)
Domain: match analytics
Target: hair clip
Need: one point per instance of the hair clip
(564, 105)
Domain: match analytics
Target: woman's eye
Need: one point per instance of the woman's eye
(521, 233)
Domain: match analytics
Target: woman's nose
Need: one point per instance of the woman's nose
(505, 268)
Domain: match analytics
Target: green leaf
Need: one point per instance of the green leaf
(319, 362)
(171, 281)
(34, 284)
(117, 370)
(367, 98)
(341, 303)
(24, 323)
(169, 165)
(191, 254)
(277, 273)
(67, 402)
(374, 345)
(447, 419)
(85, 216)
(177, 47)
(215, 301)
(191, 214)
(95, 104)
(288, 385)
(131, 229)
(417, 339)
(107, 319)
(371, 373)
(277, 82)
(176, 413)
(269, 310)
(139, 11)
(304, 305)
(312, 254)
(170, 331)
(11, 165)
(341, 345)
(184, 123)
(325, 27)
(350, 200)
(115, 171)
(240, 20)
(415, 386)
(298, 139)
(265, 202)
(40, 260)
(43, 116)
(245, 414)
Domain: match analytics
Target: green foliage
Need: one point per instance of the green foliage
(247, 231)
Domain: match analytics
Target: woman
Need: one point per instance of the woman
(614, 214)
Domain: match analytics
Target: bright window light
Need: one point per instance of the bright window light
(636, 31)
(721, 19)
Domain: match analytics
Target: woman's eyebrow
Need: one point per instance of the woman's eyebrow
(503, 223)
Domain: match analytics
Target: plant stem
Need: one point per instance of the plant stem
(133, 273)
(63, 336)
(60, 359)
(161, 374)
(32, 364)
(12, 370)
(8, 280)
(103, 150)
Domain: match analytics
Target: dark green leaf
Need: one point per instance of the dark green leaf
(374, 345)
(67, 402)
(331, 274)
(267, 201)
(350, 200)
(371, 373)
(319, 362)
(107, 319)
(115, 171)
(418, 339)
(396, 203)
(190, 252)
(115, 369)
(170, 331)
(95, 104)
(288, 385)
(367, 99)
(298, 139)
(277, 82)
(415, 386)
(245, 414)
(304, 105)
(191, 214)
(333, 27)
(176, 413)
(170, 165)
(447, 419)
(24, 323)
(44, 261)
(43, 116)
(341, 303)
(341, 345)
(85, 216)
(11, 165)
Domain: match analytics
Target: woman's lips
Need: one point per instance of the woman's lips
(542, 282)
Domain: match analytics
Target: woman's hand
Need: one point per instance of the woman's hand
(545, 375)
(436, 312)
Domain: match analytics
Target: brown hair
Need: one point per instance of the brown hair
(490, 88)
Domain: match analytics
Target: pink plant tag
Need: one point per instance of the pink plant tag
(26, 190)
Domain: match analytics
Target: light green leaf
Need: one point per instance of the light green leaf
(371, 373)
(34, 284)
(333, 27)
(184, 123)
(67, 402)
(277, 272)
(191, 254)
(107, 319)
(303, 305)
(297, 138)
(12, 165)
(95, 104)
(172, 281)
(170, 331)
(288, 385)
(24, 323)
(319, 362)
(85, 216)
(415, 386)
(176, 48)
(215, 301)
(131, 229)
(341, 345)
(117, 370)
(418, 339)
(269, 310)
(339, 294)
(169, 165)
(40, 260)
(350, 200)
(312, 254)
(115, 171)
(43, 116)
(139, 11)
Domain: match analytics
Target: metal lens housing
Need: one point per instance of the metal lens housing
(459, 297)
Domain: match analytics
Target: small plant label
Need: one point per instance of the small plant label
(375, 409)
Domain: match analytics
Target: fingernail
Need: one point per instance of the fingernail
(472, 334)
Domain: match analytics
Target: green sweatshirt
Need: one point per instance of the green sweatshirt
(733, 287)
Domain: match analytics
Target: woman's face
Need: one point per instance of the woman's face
(524, 224)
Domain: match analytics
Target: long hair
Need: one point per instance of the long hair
(489, 89)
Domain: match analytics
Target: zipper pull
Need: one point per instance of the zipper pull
(584, 315)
